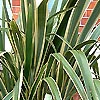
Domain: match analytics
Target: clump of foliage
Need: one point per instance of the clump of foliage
(48, 58)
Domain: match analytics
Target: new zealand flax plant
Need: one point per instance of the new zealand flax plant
(49, 60)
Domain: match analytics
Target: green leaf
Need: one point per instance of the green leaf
(94, 36)
(58, 13)
(59, 76)
(5, 66)
(23, 12)
(10, 71)
(8, 80)
(53, 88)
(51, 43)
(3, 25)
(16, 91)
(8, 96)
(51, 21)
(74, 20)
(95, 33)
(97, 86)
(9, 3)
(63, 39)
(17, 87)
(1, 42)
(29, 46)
(85, 71)
(95, 60)
(40, 36)
(61, 27)
(18, 39)
(4, 29)
(49, 64)
(36, 83)
(9, 61)
(64, 2)
(79, 46)
(88, 48)
(5, 10)
(3, 89)
(73, 76)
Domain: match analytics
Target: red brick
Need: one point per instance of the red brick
(89, 12)
(85, 14)
(15, 16)
(83, 21)
(92, 4)
(15, 2)
(15, 9)
(80, 29)
(98, 21)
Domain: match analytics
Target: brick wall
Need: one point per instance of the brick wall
(15, 8)
(87, 14)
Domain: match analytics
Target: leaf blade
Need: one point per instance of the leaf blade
(53, 87)
(67, 67)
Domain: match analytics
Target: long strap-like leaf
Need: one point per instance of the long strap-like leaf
(17, 88)
(53, 88)
(97, 86)
(73, 76)
(29, 45)
(85, 70)
(3, 89)
(40, 35)
(36, 83)
(8, 96)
